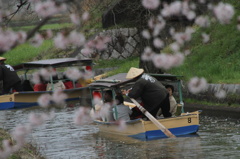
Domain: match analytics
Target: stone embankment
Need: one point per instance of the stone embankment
(230, 105)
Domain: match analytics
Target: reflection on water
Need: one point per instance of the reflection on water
(61, 139)
(123, 147)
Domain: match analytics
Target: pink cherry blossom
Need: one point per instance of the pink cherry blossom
(49, 7)
(202, 21)
(61, 41)
(104, 111)
(88, 75)
(36, 119)
(151, 4)
(7, 146)
(82, 116)
(49, 34)
(205, 37)
(156, 24)
(175, 47)
(197, 85)
(37, 40)
(39, 119)
(8, 39)
(85, 16)
(173, 8)
(97, 100)
(99, 42)
(182, 37)
(21, 37)
(147, 54)
(187, 52)
(20, 132)
(73, 74)
(73, 38)
(47, 73)
(220, 94)
(179, 8)
(59, 97)
(167, 61)
(158, 43)
(121, 125)
(44, 100)
(36, 78)
(146, 34)
(76, 38)
(87, 51)
(202, 1)
(75, 19)
(223, 12)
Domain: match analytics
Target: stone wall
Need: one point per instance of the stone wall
(232, 93)
(124, 44)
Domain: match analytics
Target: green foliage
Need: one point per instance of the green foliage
(122, 66)
(56, 26)
(216, 60)
(208, 103)
(26, 52)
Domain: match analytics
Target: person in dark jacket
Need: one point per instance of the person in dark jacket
(151, 91)
(9, 77)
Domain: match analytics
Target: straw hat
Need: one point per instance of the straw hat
(2, 59)
(134, 72)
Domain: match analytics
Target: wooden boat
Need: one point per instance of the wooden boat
(27, 99)
(180, 125)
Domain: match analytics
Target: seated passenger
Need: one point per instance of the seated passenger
(10, 78)
(27, 85)
(40, 87)
(67, 82)
(123, 111)
(173, 103)
(57, 84)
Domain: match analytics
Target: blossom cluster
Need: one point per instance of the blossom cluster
(21, 131)
(222, 12)
(9, 39)
(49, 8)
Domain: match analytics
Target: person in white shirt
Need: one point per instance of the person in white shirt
(173, 103)
(123, 111)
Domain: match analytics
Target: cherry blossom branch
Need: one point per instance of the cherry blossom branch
(19, 6)
(33, 31)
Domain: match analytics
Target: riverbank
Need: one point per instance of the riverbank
(218, 111)
(27, 152)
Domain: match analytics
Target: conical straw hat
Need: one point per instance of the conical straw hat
(2, 59)
(134, 72)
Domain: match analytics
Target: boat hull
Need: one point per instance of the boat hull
(19, 100)
(146, 130)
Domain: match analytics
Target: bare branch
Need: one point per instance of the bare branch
(19, 7)
(33, 31)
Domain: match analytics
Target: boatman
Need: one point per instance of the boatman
(151, 91)
(9, 78)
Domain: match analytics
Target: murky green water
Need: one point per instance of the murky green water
(61, 139)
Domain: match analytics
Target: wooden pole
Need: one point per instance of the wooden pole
(154, 120)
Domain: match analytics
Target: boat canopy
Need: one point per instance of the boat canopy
(112, 81)
(59, 62)
(120, 79)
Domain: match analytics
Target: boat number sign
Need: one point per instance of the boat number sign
(189, 120)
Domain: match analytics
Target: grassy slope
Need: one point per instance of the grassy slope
(26, 52)
(217, 60)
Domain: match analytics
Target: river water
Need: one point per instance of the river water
(59, 138)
